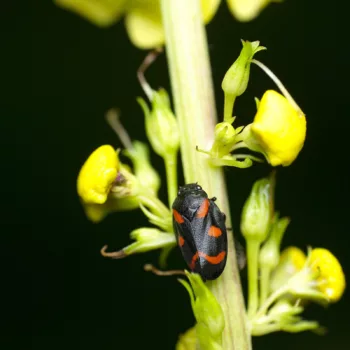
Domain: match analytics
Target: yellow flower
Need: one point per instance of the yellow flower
(97, 175)
(247, 10)
(331, 279)
(321, 278)
(279, 128)
(143, 18)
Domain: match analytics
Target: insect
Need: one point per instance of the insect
(201, 232)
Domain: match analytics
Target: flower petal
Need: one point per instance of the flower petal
(247, 10)
(331, 279)
(144, 21)
(279, 128)
(102, 13)
(97, 175)
(209, 8)
(144, 24)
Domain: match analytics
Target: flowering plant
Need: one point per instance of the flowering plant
(280, 284)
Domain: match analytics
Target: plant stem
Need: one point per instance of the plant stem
(154, 204)
(171, 176)
(189, 65)
(252, 263)
(264, 283)
(228, 106)
(270, 300)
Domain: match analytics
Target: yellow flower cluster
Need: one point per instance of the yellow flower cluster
(143, 18)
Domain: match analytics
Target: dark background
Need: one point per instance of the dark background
(59, 76)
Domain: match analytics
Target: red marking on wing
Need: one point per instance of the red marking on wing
(214, 231)
(177, 216)
(193, 262)
(202, 212)
(213, 259)
(181, 241)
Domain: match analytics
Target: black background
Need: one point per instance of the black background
(59, 76)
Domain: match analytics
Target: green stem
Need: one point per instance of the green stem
(270, 300)
(264, 283)
(171, 176)
(265, 329)
(189, 65)
(252, 262)
(292, 328)
(154, 204)
(228, 106)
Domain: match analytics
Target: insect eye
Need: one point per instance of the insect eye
(199, 188)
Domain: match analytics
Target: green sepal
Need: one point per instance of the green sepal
(207, 311)
(188, 340)
(149, 239)
(164, 222)
(143, 170)
(225, 135)
(225, 142)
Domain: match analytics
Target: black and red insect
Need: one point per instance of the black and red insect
(201, 233)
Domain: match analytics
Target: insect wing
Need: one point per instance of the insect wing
(186, 243)
(210, 236)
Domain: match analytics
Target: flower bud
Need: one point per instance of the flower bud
(270, 251)
(257, 211)
(147, 239)
(143, 170)
(224, 139)
(236, 78)
(161, 125)
(225, 132)
(207, 311)
(279, 129)
(97, 175)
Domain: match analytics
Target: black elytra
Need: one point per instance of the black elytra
(200, 230)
